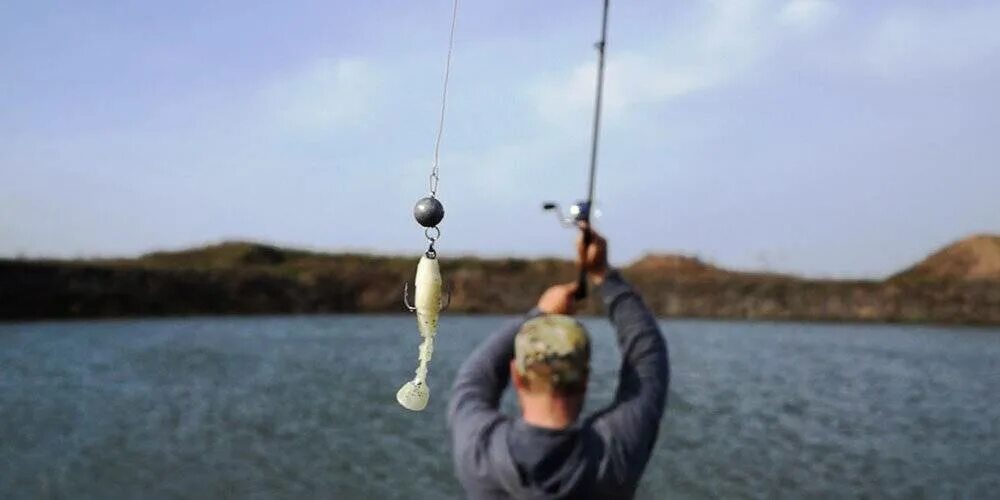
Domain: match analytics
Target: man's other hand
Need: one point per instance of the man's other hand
(558, 299)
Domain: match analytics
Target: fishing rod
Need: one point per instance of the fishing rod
(580, 212)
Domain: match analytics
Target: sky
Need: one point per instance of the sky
(823, 138)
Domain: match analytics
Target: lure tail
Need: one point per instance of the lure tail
(414, 395)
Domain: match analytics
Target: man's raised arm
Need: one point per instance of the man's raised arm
(479, 385)
(632, 422)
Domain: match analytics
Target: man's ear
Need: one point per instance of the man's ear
(515, 377)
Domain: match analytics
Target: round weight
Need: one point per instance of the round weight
(428, 211)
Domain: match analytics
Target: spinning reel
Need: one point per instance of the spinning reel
(580, 211)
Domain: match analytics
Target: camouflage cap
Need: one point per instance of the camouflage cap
(554, 349)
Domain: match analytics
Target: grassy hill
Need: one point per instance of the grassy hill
(974, 258)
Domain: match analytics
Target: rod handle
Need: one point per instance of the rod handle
(581, 282)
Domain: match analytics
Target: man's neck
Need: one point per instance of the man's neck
(548, 412)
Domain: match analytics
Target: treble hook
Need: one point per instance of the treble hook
(406, 298)
(447, 301)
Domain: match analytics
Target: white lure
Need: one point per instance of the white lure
(427, 303)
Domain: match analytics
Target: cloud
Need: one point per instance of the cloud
(728, 40)
(913, 41)
(630, 79)
(807, 15)
(327, 93)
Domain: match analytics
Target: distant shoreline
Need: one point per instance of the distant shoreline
(953, 286)
(588, 315)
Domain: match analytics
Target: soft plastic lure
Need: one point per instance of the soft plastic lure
(427, 297)
(427, 304)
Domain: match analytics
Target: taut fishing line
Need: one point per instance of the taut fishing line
(427, 296)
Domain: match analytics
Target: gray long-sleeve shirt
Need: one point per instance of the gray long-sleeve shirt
(497, 456)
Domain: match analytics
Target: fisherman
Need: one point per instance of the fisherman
(550, 451)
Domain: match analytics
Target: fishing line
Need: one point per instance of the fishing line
(444, 100)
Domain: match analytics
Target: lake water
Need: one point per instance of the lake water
(296, 407)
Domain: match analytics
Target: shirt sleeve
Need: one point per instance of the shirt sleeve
(473, 412)
(630, 425)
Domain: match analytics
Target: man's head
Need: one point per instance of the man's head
(550, 369)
